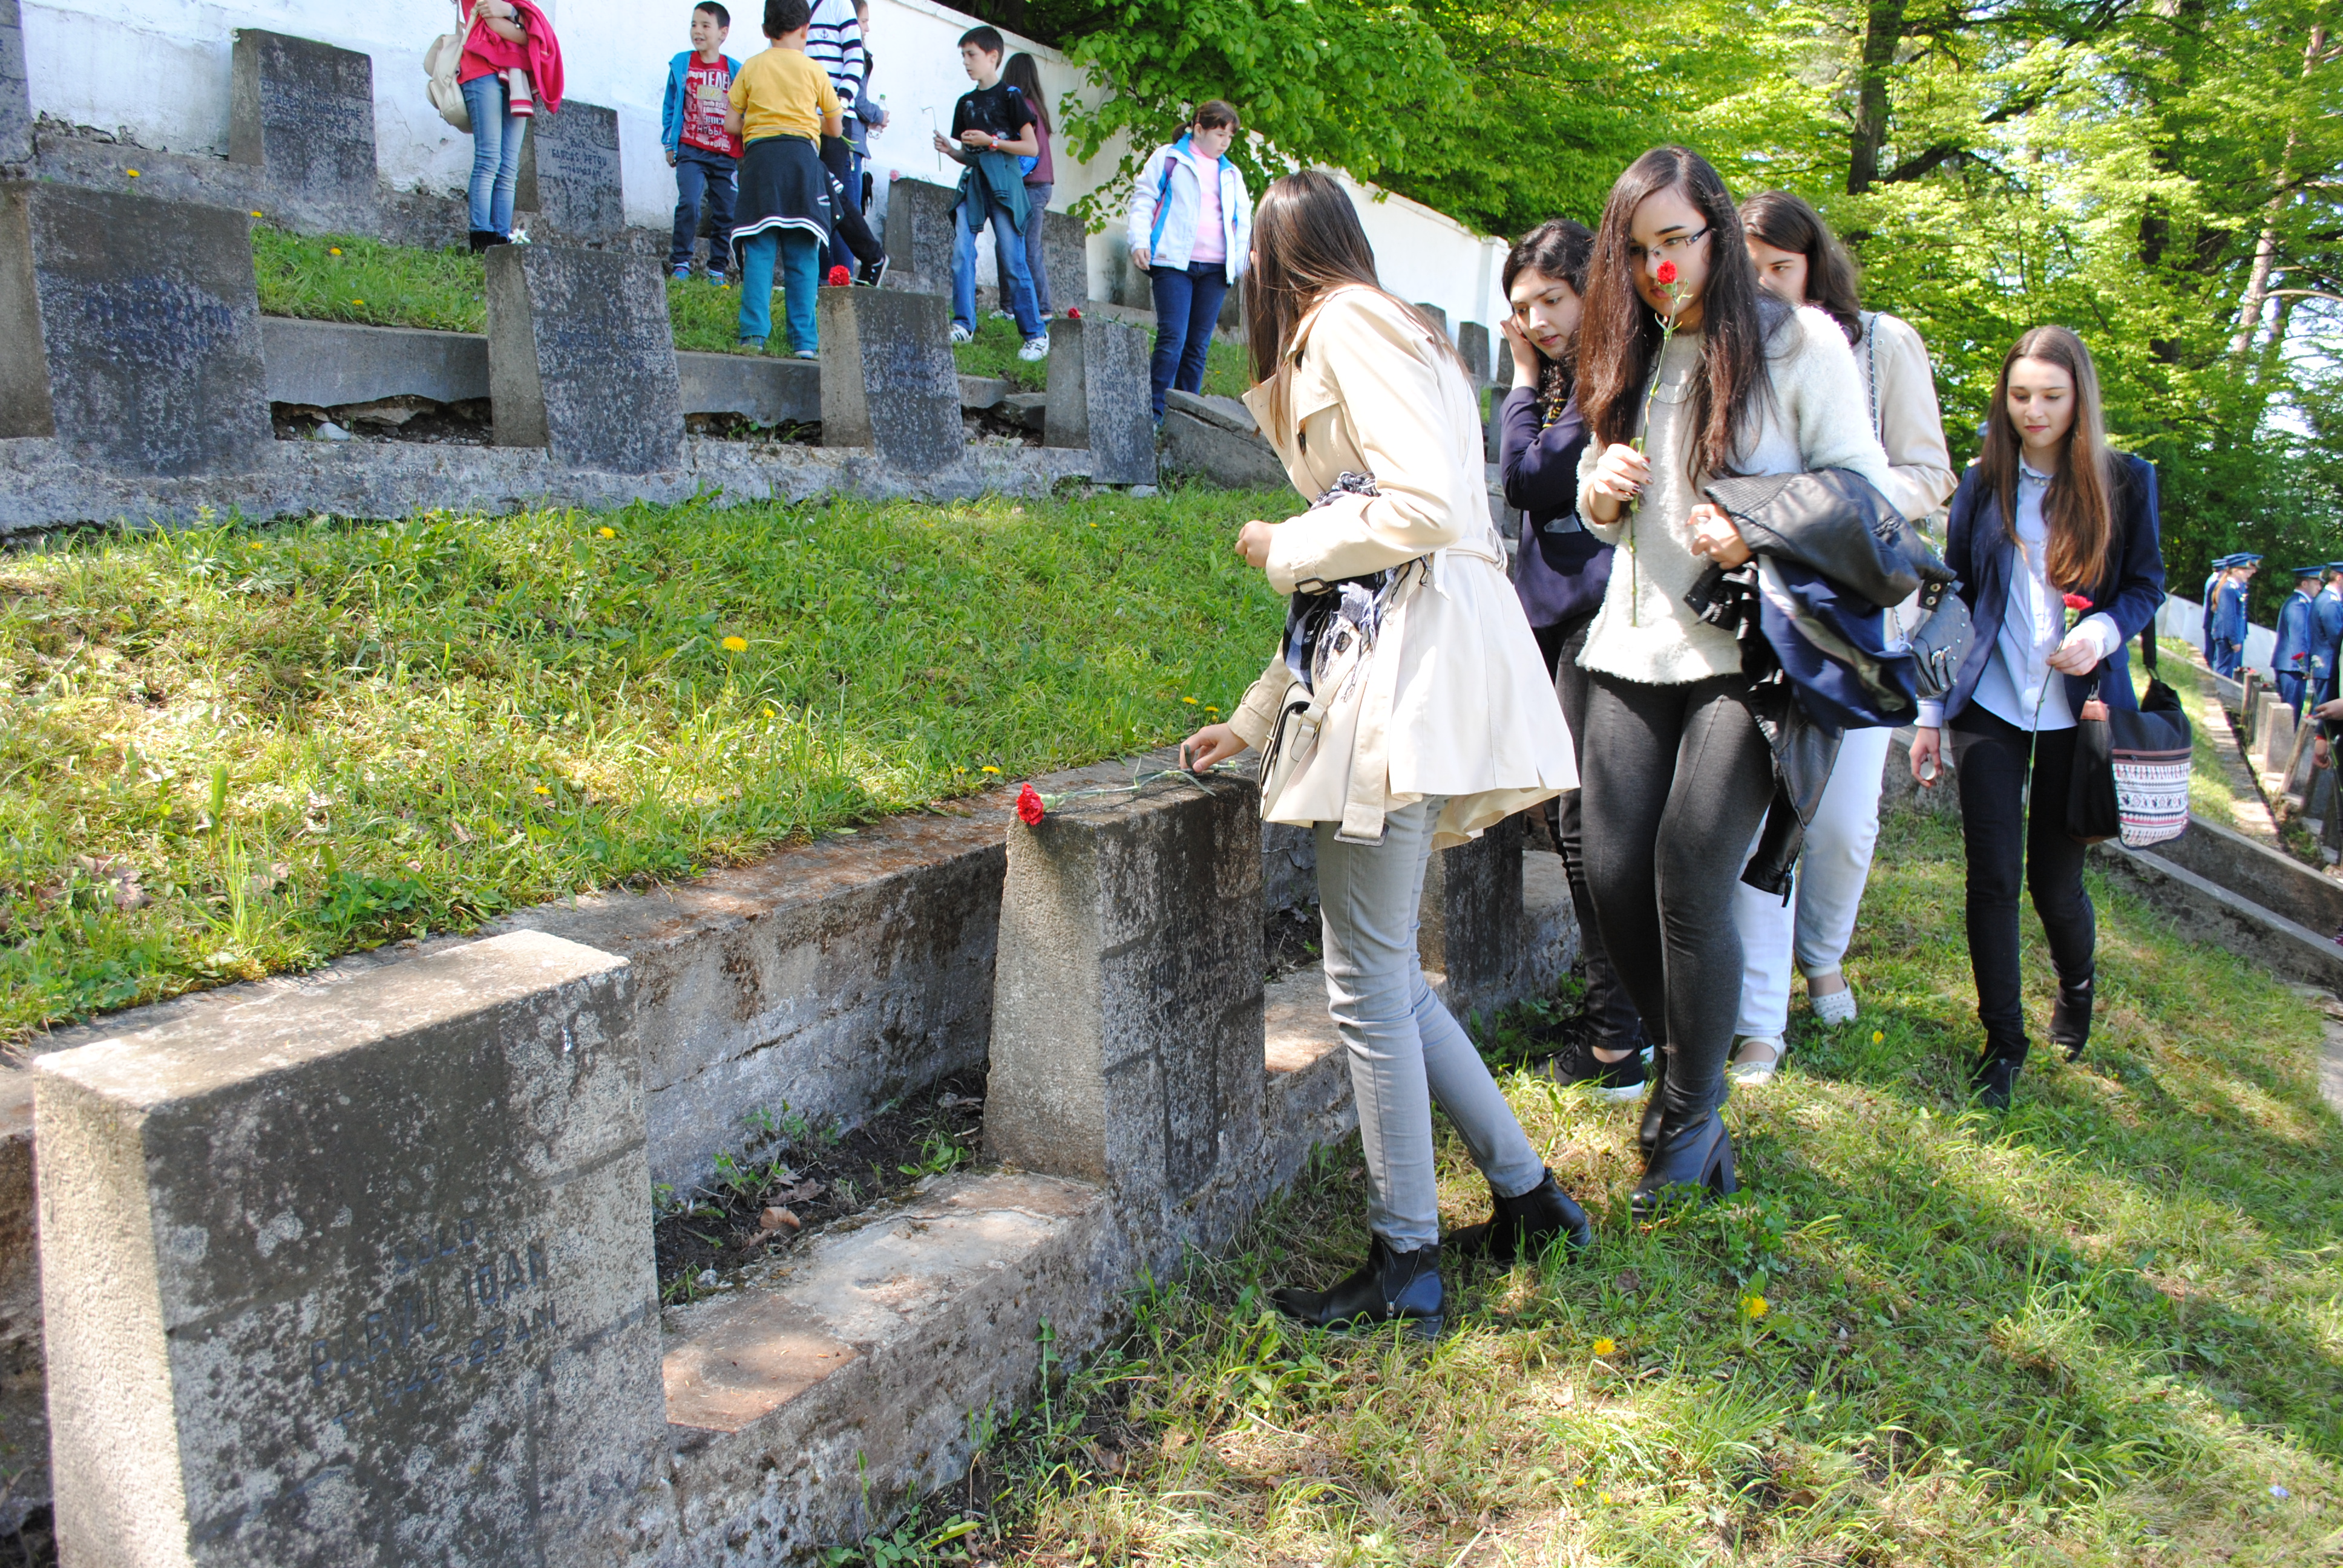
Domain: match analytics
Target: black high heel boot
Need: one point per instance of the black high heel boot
(2070, 1017)
(1392, 1287)
(1648, 1134)
(1521, 1227)
(1692, 1149)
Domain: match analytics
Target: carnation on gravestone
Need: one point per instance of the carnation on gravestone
(839, 277)
(1073, 313)
(1030, 810)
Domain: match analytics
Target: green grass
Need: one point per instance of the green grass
(2098, 1330)
(345, 277)
(234, 750)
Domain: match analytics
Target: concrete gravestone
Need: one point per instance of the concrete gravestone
(919, 237)
(888, 380)
(1099, 397)
(1439, 316)
(581, 357)
(570, 172)
(1065, 251)
(359, 1274)
(15, 90)
(130, 330)
(304, 111)
(1472, 342)
(1471, 916)
(1216, 439)
(1127, 998)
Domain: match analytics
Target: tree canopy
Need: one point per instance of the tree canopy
(2160, 175)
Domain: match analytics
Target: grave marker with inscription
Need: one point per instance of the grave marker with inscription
(570, 172)
(304, 111)
(581, 357)
(356, 1274)
(888, 379)
(1065, 251)
(130, 330)
(918, 236)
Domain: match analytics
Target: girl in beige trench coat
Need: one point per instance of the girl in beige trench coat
(1448, 725)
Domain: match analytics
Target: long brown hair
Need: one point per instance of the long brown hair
(1557, 248)
(1306, 242)
(2078, 511)
(1024, 74)
(1784, 220)
(1620, 334)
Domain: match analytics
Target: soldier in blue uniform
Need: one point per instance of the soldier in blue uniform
(2291, 660)
(2229, 616)
(2326, 633)
(2214, 578)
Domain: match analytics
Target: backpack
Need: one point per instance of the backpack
(441, 62)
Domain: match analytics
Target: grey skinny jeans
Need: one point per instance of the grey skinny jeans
(1406, 1049)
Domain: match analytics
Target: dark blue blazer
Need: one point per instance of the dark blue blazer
(1980, 548)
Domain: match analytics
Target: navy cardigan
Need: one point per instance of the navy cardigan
(1559, 576)
(1980, 548)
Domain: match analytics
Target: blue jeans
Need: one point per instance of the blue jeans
(700, 175)
(1037, 258)
(1405, 1048)
(1187, 304)
(1008, 252)
(495, 152)
(800, 253)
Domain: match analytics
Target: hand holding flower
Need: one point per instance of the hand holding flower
(1212, 744)
(1619, 476)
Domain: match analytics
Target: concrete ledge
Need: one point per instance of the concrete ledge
(332, 364)
(2254, 872)
(768, 390)
(41, 485)
(2207, 912)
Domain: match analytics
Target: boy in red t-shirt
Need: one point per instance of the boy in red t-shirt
(706, 156)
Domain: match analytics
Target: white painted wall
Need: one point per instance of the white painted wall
(157, 72)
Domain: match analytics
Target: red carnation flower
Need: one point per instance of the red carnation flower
(1666, 272)
(2076, 601)
(1074, 313)
(839, 277)
(1030, 810)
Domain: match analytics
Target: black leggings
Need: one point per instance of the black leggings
(1989, 759)
(1613, 1010)
(1677, 781)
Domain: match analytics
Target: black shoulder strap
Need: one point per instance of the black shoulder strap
(2147, 647)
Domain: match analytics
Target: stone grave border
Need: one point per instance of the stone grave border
(774, 981)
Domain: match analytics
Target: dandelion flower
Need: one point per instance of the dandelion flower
(1580, 1481)
(988, 770)
(1604, 1498)
(255, 213)
(736, 645)
(357, 302)
(607, 533)
(1878, 1035)
(1754, 1307)
(1189, 700)
(132, 173)
(333, 250)
(769, 713)
(1606, 1347)
(543, 790)
(253, 545)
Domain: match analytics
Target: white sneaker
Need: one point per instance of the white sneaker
(1755, 1058)
(1035, 348)
(961, 334)
(1834, 1009)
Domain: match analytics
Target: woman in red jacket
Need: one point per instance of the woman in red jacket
(511, 65)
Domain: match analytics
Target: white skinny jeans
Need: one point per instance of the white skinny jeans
(1818, 922)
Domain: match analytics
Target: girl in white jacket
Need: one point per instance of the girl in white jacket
(1450, 726)
(1190, 228)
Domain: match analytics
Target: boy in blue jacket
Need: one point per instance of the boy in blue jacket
(706, 156)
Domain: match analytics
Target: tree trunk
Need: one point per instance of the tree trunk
(1883, 33)
(2257, 281)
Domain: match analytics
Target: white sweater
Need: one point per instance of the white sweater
(1818, 418)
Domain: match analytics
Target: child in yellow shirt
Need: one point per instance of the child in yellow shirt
(783, 102)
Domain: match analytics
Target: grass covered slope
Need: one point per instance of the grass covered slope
(345, 277)
(2104, 1330)
(234, 750)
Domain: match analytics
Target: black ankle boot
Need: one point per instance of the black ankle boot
(2070, 1018)
(1521, 1226)
(1995, 1075)
(1392, 1287)
(482, 239)
(1690, 1149)
(1648, 1135)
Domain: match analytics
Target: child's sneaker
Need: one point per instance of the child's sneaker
(961, 334)
(809, 354)
(1002, 315)
(1576, 1064)
(870, 274)
(751, 345)
(681, 274)
(1035, 348)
